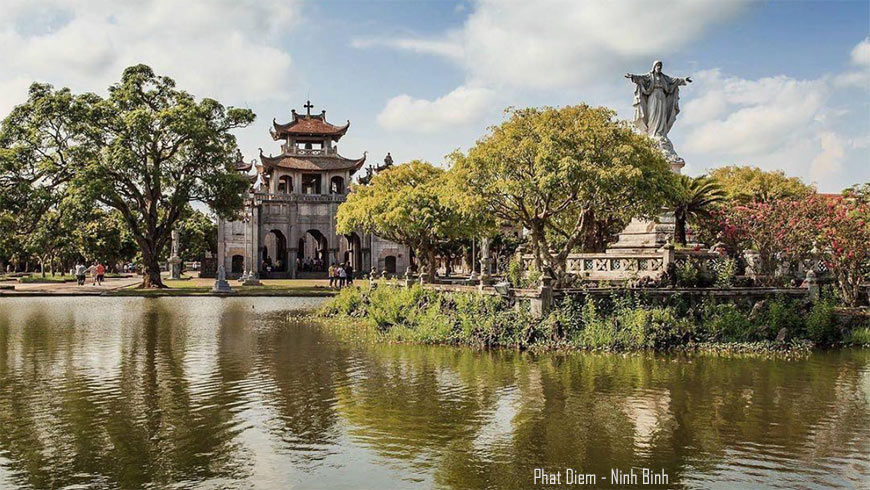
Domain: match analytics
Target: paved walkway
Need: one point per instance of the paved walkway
(70, 287)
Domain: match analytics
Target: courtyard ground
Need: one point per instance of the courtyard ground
(184, 287)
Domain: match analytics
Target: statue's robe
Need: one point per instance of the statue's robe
(656, 103)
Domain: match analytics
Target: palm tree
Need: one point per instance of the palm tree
(694, 196)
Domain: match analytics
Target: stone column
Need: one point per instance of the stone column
(485, 262)
(813, 286)
(175, 260)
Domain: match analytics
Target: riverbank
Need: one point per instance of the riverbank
(185, 287)
(624, 322)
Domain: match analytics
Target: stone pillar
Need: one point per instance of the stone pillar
(175, 260)
(541, 305)
(220, 284)
(293, 252)
(812, 282)
(484, 262)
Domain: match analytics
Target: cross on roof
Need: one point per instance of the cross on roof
(308, 105)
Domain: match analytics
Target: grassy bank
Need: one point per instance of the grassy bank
(420, 315)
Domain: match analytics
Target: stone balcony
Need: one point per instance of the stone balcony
(303, 152)
(294, 197)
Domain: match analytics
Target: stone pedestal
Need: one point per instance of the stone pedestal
(252, 280)
(220, 284)
(175, 267)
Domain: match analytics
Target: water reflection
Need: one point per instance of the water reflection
(233, 392)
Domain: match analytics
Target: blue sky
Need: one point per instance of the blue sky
(781, 85)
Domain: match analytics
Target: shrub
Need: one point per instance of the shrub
(822, 323)
(726, 272)
(859, 337)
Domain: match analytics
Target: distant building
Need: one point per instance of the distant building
(289, 229)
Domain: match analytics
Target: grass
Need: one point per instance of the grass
(859, 337)
(618, 323)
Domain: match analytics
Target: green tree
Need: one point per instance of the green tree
(694, 196)
(197, 234)
(745, 184)
(412, 204)
(147, 151)
(565, 174)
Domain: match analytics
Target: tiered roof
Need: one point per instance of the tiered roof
(312, 162)
(308, 126)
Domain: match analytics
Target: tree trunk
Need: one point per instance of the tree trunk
(151, 277)
(680, 227)
(430, 270)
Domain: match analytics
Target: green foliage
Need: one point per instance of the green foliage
(693, 197)
(423, 315)
(522, 277)
(147, 151)
(821, 323)
(746, 184)
(197, 234)
(726, 272)
(569, 175)
(859, 337)
(413, 204)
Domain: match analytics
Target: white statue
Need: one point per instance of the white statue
(656, 105)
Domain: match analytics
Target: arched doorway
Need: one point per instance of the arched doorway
(313, 251)
(238, 264)
(275, 251)
(353, 251)
(390, 264)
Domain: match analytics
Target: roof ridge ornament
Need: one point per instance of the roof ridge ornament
(308, 106)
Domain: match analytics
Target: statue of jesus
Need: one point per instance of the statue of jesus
(656, 104)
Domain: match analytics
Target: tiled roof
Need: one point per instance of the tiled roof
(308, 125)
(315, 163)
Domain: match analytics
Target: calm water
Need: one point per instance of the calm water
(233, 393)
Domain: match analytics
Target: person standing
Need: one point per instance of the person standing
(331, 273)
(101, 273)
(342, 276)
(81, 270)
(348, 270)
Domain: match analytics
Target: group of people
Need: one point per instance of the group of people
(97, 271)
(309, 265)
(340, 275)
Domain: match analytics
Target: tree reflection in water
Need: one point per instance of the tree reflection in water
(211, 391)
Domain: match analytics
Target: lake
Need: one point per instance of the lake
(204, 392)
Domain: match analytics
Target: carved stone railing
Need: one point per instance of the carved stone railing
(294, 197)
(618, 266)
(308, 152)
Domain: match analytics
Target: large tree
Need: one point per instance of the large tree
(568, 175)
(744, 184)
(412, 204)
(146, 150)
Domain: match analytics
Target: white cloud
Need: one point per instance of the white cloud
(554, 43)
(749, 117)
(830, 159)
(860, 77)
(461, 106)
(447, 48)
(861, 53)
(224, 49)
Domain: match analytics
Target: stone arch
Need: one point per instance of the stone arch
(275, 250)
(314, 248)
(352, 252)
(336, 185)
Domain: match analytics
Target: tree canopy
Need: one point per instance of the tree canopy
(744, 184)
(412, 204)
(147, 151)
(565, 174)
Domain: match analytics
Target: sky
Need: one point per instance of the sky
(779, 85)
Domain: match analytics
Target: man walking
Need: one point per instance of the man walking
(80, 274)
(101, 272)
